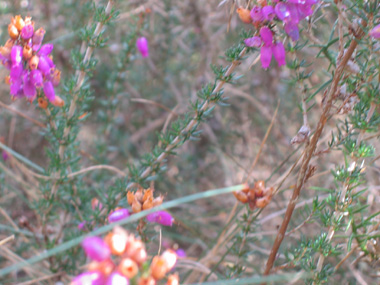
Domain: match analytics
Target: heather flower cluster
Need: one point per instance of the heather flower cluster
(30, 63)
(120, 257)
(265, 16)
(143, 199)
(259, 196)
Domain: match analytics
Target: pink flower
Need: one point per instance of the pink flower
(27, 32)
(90, 277)
(268, 13)
(253, 42)
(118, 215)
(265, 56)
(49, 90)
(5, 155)
(256, 14)
(266, 35)
(279, 53)
(160, 217)
(142, 46)
(375, 32)
(96, 249)
(292, 30)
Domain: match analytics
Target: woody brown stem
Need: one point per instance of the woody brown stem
(310, 148)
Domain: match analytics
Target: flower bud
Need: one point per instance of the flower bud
(27, 32)
(146, 281)
(44, 104)
(140, 256)
(46, 49)
(7, 80)
(148, 193)
(375, 32)
(260, 188)
(142, 46)
(5, 52)
(27, 52)
(148, 204)
(241, 196)
(117, 241)
(117, 279)
(13, 32)
(158, 268)
(33, 62)
(136, 206)
(139, 195)
(262, 202)
(105, 267)
(95, 204)
(158, 201)
(37, 38)
(170, 258)
(253, 42)
(18, 22)
(128, 268)
(56, 77)
(118, 215)
(160, 217)
(173, 279)
(130, 197)
(96, 249)
(244, 15)
(58, 102)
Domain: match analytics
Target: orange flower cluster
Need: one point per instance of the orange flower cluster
(143, 199)
(128, 262)
(259, 196)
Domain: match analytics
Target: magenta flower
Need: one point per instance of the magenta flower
(268, 13)
(160, 217)
(31, 66)
(142, 46)
(5, 155)
(375, 32)
(81, 226)
(282, 11)
(89, 278)
(118, 215)
(37, 38)
(256, 14)
(117, 279)
(49, 90)
(180, 253)
(292, 31)
(96, 249)
(265, 56)
(279, 53)
(28, 87)
(46, 49)
(16, 55)
(27, 32)
(266, 35)
(253, 42)
(36, 78)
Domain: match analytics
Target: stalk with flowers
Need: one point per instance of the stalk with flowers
(105, 197)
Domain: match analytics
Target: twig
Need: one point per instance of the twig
(309, 151)
(22, 115)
